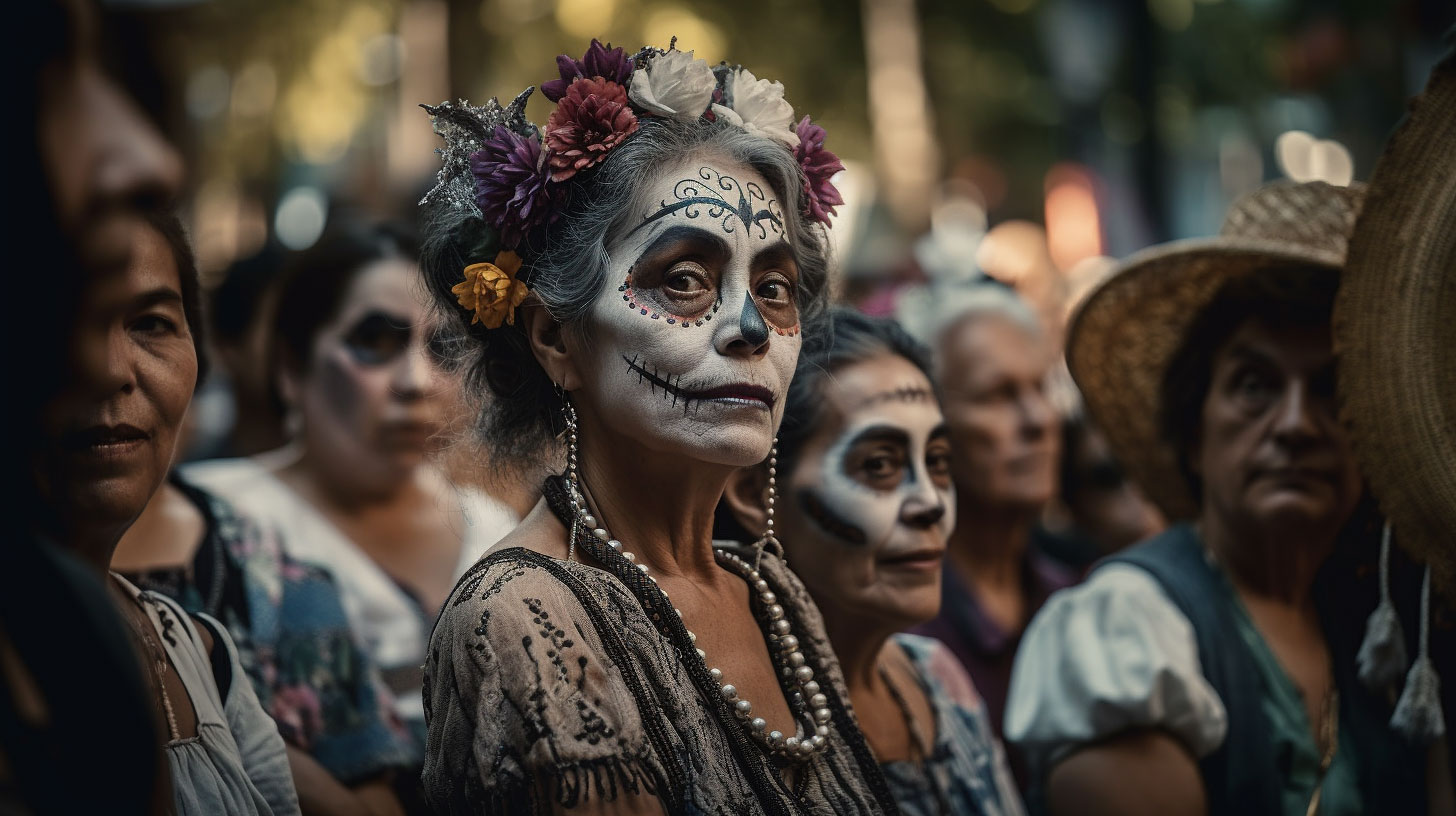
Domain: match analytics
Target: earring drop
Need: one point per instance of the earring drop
(572, 479)
(770, 499)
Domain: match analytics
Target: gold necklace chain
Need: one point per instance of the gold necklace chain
(146, 632)
(1329, 742)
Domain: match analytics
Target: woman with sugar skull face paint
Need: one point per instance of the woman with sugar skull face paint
(864, 466)
(637, 276)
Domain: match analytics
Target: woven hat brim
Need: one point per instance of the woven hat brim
(1125, 334)
(1395, 331)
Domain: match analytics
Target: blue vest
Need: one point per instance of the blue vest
(1243, 776)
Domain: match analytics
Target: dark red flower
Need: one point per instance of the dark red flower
(511, 186)
(819, 166)
(591, 119)
(613, 66)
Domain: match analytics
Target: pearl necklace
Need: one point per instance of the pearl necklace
(805, 742)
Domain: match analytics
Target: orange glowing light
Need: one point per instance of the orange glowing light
(1074, 226)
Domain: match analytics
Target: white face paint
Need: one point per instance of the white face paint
(870, 501)
(693, 341)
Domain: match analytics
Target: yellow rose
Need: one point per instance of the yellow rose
(491, 291)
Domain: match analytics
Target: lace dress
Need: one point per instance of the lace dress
(548, 682)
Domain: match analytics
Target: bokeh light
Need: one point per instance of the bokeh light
(705, 39)
(302, 213)
(1302, 157)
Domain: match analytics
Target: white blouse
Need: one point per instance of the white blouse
(1109, 655)
(237, 762)
(387, 621)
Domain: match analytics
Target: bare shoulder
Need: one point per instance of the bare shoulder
(204, 634)
(518, 585)
(540, 532)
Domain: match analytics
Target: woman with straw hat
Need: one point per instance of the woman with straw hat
(1212, 667)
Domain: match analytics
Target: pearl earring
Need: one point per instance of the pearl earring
(573, 482)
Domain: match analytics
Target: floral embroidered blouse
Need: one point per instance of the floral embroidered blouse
(293, 641)
(966, 772)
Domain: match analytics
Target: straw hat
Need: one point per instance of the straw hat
(1125, 334)
(1395, 330)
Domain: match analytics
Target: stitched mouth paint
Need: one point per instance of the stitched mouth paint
(692, 398)
(653, 378)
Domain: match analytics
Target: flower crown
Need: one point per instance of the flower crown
(512, 175)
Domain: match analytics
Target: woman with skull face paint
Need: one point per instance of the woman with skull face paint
(864, 460)
(355, 492)
(636, 279)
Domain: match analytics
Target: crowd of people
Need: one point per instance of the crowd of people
(581, 495)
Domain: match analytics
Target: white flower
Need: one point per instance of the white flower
(759, 106)
(727, 115)
(674, 85)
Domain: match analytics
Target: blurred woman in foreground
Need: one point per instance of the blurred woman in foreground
(109, 436)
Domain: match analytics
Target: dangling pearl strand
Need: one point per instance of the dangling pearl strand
(799, 746)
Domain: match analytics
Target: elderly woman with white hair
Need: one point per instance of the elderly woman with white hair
(993, 359)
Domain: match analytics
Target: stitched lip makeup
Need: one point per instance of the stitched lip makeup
(671, 386)
(737, 393)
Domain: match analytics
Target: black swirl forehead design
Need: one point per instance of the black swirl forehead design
(713, 194)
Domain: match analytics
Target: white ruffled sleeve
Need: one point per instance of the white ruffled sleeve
(1110, 655)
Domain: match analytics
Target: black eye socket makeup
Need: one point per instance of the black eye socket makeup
(378, 338)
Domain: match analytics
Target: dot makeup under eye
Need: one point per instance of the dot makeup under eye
(685, 294)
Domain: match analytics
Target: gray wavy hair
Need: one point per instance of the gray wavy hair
(928, 311)
(566, 265)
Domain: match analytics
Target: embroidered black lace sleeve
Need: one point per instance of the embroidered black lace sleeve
(523, 707)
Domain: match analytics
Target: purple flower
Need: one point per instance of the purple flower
(613, 66)
(819, 166)
(511, 176)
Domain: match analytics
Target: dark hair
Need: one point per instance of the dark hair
(315, 280)
(235, 303)
(169, 226)
(54, 273)
(845, 337)
(34, 571)
(566, 263)
(1294, 296)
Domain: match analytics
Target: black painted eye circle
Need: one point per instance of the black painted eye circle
(937, 464)
(881, 467)
(377, 339)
